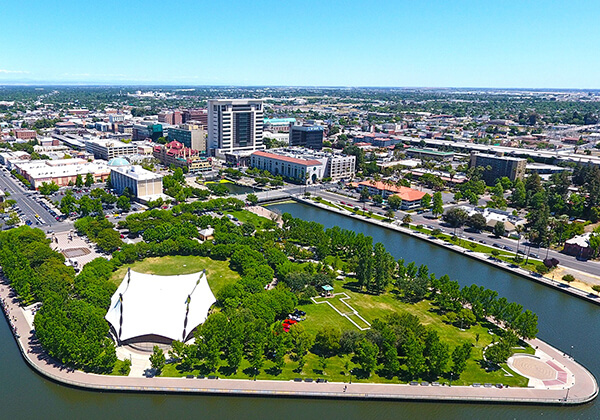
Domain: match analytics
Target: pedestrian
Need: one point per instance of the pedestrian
(345, 388)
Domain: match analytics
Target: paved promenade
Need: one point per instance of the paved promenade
(582, 294)
(581, 387)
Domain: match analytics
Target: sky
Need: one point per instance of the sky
(416, 43)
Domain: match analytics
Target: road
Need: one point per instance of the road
(591, 267)
(27, 203)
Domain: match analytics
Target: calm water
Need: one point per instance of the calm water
(238, 189)
(564, 321)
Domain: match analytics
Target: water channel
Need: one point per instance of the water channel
(564, 321)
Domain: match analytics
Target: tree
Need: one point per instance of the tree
(89, 180)
(109, 240)
(436, 353)
(426, 201)
(390, 214)
(157, 360)
(252, 199)
(327, 341)
(437, 204)
(364, 258)
(383, 268)
(477, 221)
(596, 288)
(460, 355)
(456, 217)
(378, 199)
(407, 219)
(394, 202)
(79, 181)
(48, 188)
(123, 203)
(366, 355)
(364, 194)
(415, 361)
(499, 229)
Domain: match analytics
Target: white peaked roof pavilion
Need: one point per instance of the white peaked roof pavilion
(166, 306)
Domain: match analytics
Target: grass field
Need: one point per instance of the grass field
(245, 216)
(218, 272)
(371, 307)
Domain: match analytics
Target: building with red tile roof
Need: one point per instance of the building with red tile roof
(411, 198)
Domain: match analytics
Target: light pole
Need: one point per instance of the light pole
(451, 377)
(571, 354)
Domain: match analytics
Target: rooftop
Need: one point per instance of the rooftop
(288, 159)
(136, 172)
(167, 306)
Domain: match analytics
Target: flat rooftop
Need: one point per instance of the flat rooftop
(136, 172)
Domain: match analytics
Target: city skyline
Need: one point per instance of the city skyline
(401, 44)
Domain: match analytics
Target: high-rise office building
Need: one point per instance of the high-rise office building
(235, 125)
(310, 137)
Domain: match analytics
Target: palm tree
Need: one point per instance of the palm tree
(519, 229)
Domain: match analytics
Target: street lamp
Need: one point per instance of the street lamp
(451, 377)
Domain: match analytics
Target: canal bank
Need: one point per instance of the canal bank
(580, 388)
(397, 227)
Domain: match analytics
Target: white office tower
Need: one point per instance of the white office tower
(235, 125)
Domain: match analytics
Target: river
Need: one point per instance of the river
(564, 321)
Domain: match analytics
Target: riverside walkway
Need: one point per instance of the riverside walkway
(580, 388)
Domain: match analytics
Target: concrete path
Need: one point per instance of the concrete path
(583, 390)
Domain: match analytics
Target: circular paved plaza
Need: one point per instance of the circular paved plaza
(532, 367)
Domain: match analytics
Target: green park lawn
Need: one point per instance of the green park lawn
(370, 307)
(245, 216)
(218, 272)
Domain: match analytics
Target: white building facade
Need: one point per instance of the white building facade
(235, 125)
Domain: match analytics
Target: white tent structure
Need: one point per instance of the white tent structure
(164, 306)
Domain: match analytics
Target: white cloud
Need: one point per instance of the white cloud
(4, 71)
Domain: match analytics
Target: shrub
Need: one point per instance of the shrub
(568, 278)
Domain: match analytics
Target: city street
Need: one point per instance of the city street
(569, 261)
(27, 203)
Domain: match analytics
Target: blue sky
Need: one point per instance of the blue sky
(450, 43)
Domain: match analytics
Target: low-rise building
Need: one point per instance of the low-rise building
(24, 134)
(310, 137)
(175, 153)
(306, 171)
(145, 185)
(579, 246)
(148, 130)
(411, 198)
(62, 172)
(429, 154)
(108, 149)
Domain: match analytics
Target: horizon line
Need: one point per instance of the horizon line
(230, 85)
